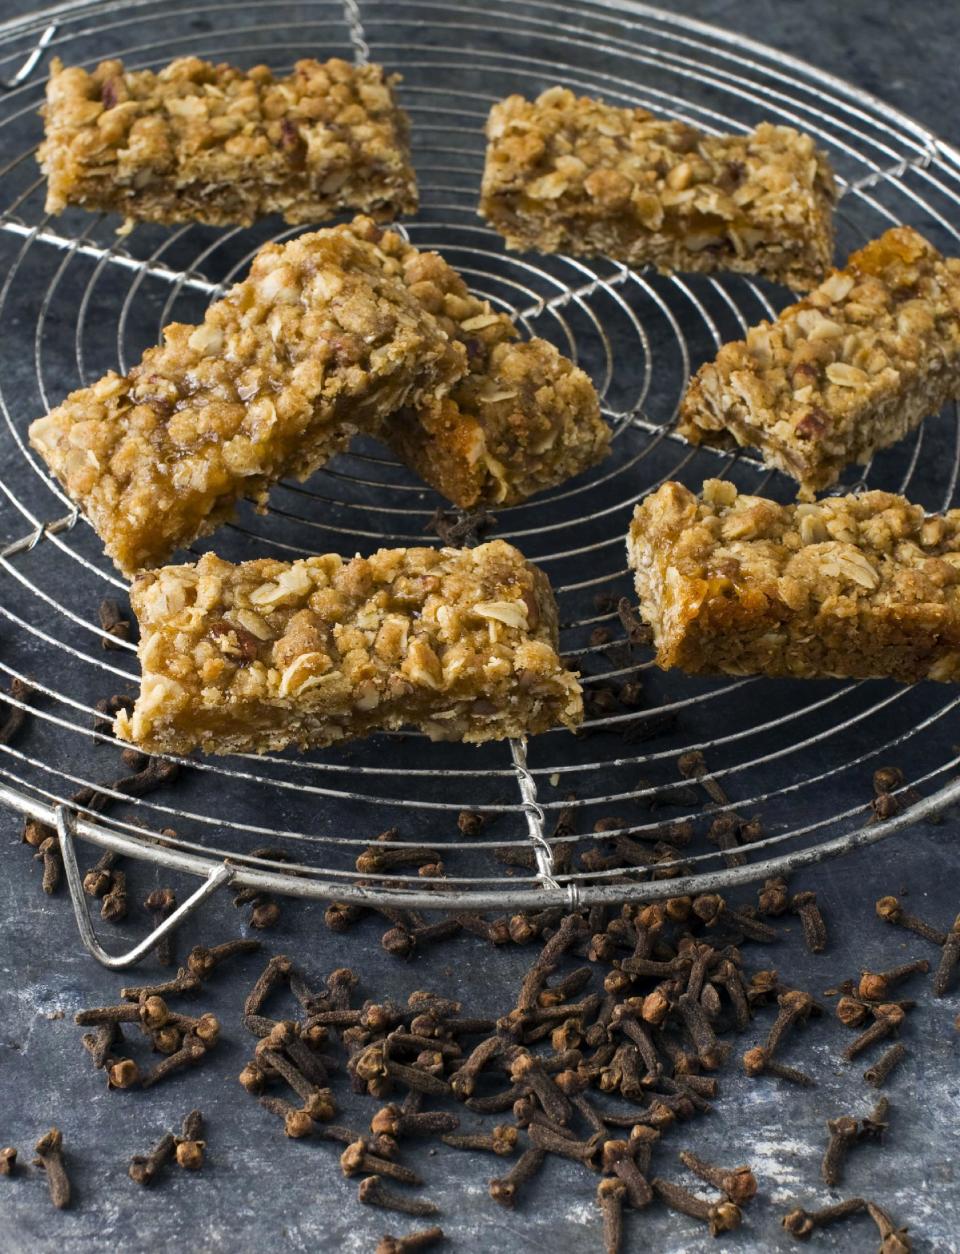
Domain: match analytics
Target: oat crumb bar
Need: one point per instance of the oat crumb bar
(523, 417)
(848, 370)
(861, 586)
(575, 175)
(322, 338)
(461, 643)
(197, 142)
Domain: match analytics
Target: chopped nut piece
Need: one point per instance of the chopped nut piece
(453, 670)
(211, 143)
(579, 176)
(770, 602)
(849, 370)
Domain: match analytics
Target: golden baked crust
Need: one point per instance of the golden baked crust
(861, 586)
(579, 176)
(461, 643)
(323, 337)
(211, 143)
(848, 370)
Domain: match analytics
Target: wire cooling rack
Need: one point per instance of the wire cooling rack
(77, 299)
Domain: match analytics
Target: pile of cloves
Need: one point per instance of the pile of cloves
(597, 1077)
(183, 1040)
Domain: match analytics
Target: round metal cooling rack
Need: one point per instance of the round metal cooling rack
(77, 299)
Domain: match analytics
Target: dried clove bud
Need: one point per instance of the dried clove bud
(843, 1134)
(756, 1062)
(372, 1193)
(811, 921)
(113, 905)
(888, 1020)
(190, 1148)
(720, 1216)
(610, 1197)
(145, 1168)
(739, 1183)
(411, 1242)
(114, 624)
(161, 903)
(504, 1189)
(877, 985)
(878, 1073)
(891, 911)
(49, 1151)
(802, 1223)
(202, 961)
(949, 959)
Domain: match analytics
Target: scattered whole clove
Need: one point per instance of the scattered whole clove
(877, 985)
(146, 1168)
(610, 1197)
(501, 1140)
(113, 904)
(412, 1241)
(843, 1135)
(372, 1193)
(876, 1075)
(504, 1189)
(189, 1146)
(811, 921)
(757, 1062)
(802, 1223)
(161, 903)
(721, 1217)
(114, 624)
(949, 959)
(49, 1151)
(891, 911)
(202, 961)
(888, 1019)
(738, 1183)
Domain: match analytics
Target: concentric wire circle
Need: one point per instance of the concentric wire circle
(77, 299)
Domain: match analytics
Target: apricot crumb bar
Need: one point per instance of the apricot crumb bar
(848, 370)
(323, 337)
(198, 142)
(575, 175)
(461, 643)
(860, 586)
(524, 420)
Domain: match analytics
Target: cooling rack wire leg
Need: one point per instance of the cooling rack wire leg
(536, 819)
(65, 832)
(25, 70)
(361, 49)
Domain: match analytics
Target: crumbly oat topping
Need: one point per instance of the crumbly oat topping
(862, 586)
(575, 175)
(215, 144)
(323, 337)
(461, 643)
(846, 371)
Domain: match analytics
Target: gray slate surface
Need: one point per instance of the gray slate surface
(259, 1191)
